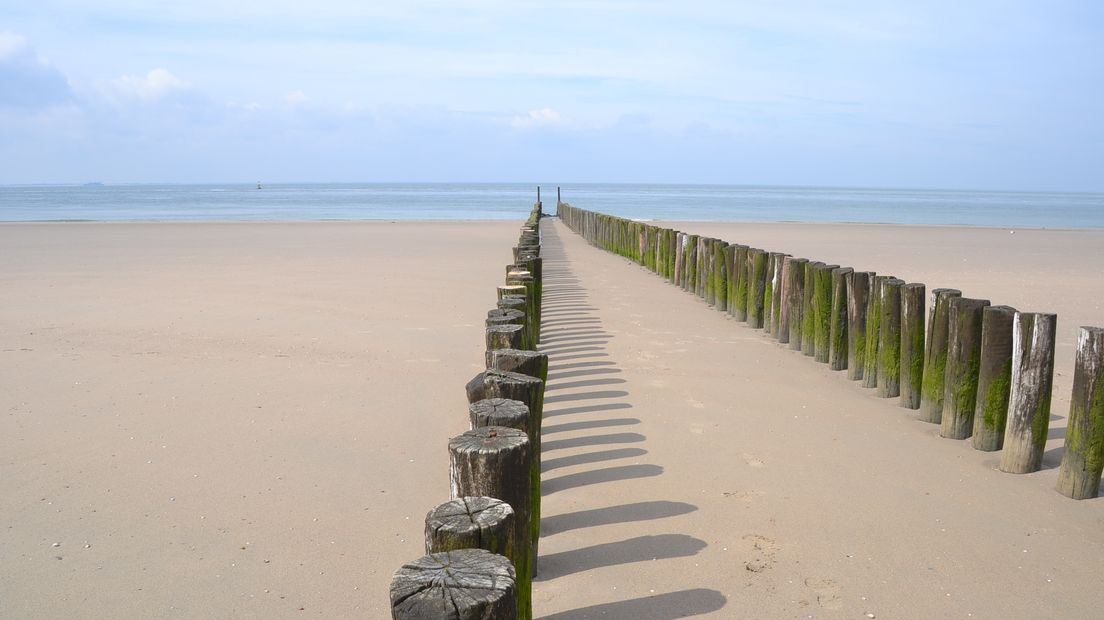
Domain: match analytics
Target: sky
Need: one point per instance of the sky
(980, 94)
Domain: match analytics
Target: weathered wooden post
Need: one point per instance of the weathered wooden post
(738, 309)
(757, 282)
(496, 461)
(793, 275)
(858, 295)
(935, 355)
(808, 308)
(873, 332)
(705, 269)
(524, 278)
(963, 361)
(768, 290)
(837, 319)
(822, 308)
(777, 262)
(508, 336)
(500, 412)
(1025, 432)
(720, 275)
(889, 339)
(690, 281)
(1083, 459)
(471, 523)
(730, 274)
(531, 363)
(994, 378)
(680, 259)
(912, 344)
(467, 584)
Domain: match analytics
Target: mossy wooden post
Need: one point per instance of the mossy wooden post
(757, 281)
(471, 523)
(768, 291)
(738, 309)
(680, 258)
(889, 338)
(524, 278)
(496, 461)
(935, 355)
(672, 243)
(912, 344)
(777, 301)
(963, 362)
(793, 275)
(994, 378)
(720, 275)
(858, 296)
(873, 332)
(705, 268)
(808, 309)
(822, 310)
(837, 326)
(690, 282)
(1083, 459)
(466, 584)
(730, 276)
(1025, 431)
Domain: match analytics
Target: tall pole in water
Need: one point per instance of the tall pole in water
(557, 195)
(538, 193)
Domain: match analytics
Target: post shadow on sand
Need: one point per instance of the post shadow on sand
(576, 343)
(666, 606)
(638, 549)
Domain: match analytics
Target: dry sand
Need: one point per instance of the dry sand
(249, 420)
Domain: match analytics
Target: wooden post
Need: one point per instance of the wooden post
(858, 295)
(778, 261)
(757, 282)
(793, 272)
(1029, 402)
(705, 270)
(838, 323)
(912, 344)
(935, 355)
(690, 261)
(524, 278)
(889, 339)
(873, 332)
(500, 412)
(994, 378)
(558, 201)
(512, 290)
(510, 336)
(720, 275)
(467, 584)
(1083, 459)
(530, 391)
(680, 259)
(963, 362)
(808, 309)
(768, 291)
(740, 273)
(822, 309)
(496, 461)
(471, 523)
(531, 363)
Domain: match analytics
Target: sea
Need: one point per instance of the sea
(512, 201)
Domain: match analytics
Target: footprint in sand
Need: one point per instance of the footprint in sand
(827, 592)
(752, 460)
(762, 553)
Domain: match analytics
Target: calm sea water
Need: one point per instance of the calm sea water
(479, 201)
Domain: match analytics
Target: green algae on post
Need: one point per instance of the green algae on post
(994, 378)
(889, 339)
(1083, 460)
(935, 355)
(858, 297)
(1025, 431)
(837, 328)
(912, 344)
(963, 366)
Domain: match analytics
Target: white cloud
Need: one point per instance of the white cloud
(538, 118)
(155, 85)
(295, 98)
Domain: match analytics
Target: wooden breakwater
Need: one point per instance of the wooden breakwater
(979, 371)
(481, 545)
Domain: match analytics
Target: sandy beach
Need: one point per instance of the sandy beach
(250, 420)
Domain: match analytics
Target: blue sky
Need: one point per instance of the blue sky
(979, 94)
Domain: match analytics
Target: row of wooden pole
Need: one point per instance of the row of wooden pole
(481, 545)
(977, 370)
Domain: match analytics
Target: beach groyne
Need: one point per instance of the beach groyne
(961, 366)
(482, 544)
